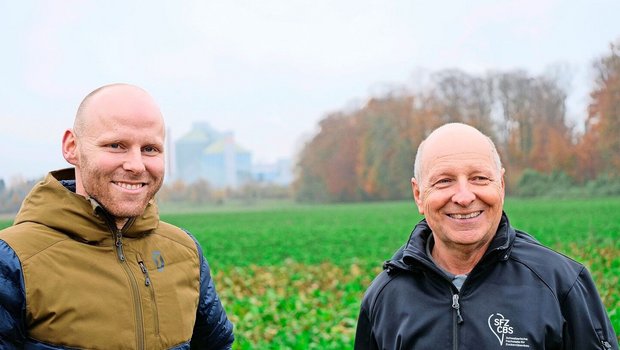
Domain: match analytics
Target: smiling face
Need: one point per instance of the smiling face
(117, 149)
(461, 188)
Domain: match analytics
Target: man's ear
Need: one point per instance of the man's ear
(502, 174)
(415, 188)
(69, 147)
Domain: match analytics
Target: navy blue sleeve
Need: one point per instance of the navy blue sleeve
(212, 330)
(363, 333)
(587, 323)
(12, 300)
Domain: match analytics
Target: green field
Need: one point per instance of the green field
(292, 277)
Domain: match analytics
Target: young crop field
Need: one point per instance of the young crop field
(293, 277)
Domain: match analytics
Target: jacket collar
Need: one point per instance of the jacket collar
(414, 252)
(54, 203)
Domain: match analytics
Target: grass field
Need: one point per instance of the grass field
(292, 277)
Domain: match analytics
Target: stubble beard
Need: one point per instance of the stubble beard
(99, 186)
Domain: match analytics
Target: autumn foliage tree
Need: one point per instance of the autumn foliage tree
(367, 153)
(386, 141)
(326, 165)
(460, 97)
(599, 149)
(535, 134)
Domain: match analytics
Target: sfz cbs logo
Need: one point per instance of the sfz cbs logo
(500, 326)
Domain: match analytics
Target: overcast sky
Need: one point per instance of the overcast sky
(266, 70)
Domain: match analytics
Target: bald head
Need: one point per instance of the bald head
(453, 137)
(103, 96)
(117, 148)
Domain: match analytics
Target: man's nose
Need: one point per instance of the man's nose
(133, 161)
(464, 196)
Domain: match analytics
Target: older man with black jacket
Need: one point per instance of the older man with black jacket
(466, 279)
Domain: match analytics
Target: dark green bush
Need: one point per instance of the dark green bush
(535, 184)
(559, 185)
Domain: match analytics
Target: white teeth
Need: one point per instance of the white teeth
(129, 186)
(466, 216)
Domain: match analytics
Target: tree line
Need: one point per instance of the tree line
(11, 197)
(175, 194)
(366, 153)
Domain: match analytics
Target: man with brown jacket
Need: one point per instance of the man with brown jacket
(88, 264)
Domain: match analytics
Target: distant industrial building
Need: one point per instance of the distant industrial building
(278, 173)
(205, 153)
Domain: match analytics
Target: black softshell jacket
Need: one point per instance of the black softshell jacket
(521, 295)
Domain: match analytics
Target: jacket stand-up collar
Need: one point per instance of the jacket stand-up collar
(53, 203)
(414, 251)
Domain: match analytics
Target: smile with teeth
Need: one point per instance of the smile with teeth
(466, 216)
(129, 186)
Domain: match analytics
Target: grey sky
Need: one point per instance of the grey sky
(266, 70)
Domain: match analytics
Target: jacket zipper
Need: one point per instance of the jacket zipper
(118, 242)
(457, 319)
(605, 345)
(149, 284)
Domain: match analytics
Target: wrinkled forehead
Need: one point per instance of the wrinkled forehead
(468, 162)
(457, 148)
(457, 144)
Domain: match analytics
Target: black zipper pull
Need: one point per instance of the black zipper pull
(456, 306)
(147, 279)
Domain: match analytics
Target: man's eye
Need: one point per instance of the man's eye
(443, 181)
(114, 145)
(150, 149)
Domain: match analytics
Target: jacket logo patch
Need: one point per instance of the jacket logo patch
(504, 332)
(158, 259)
